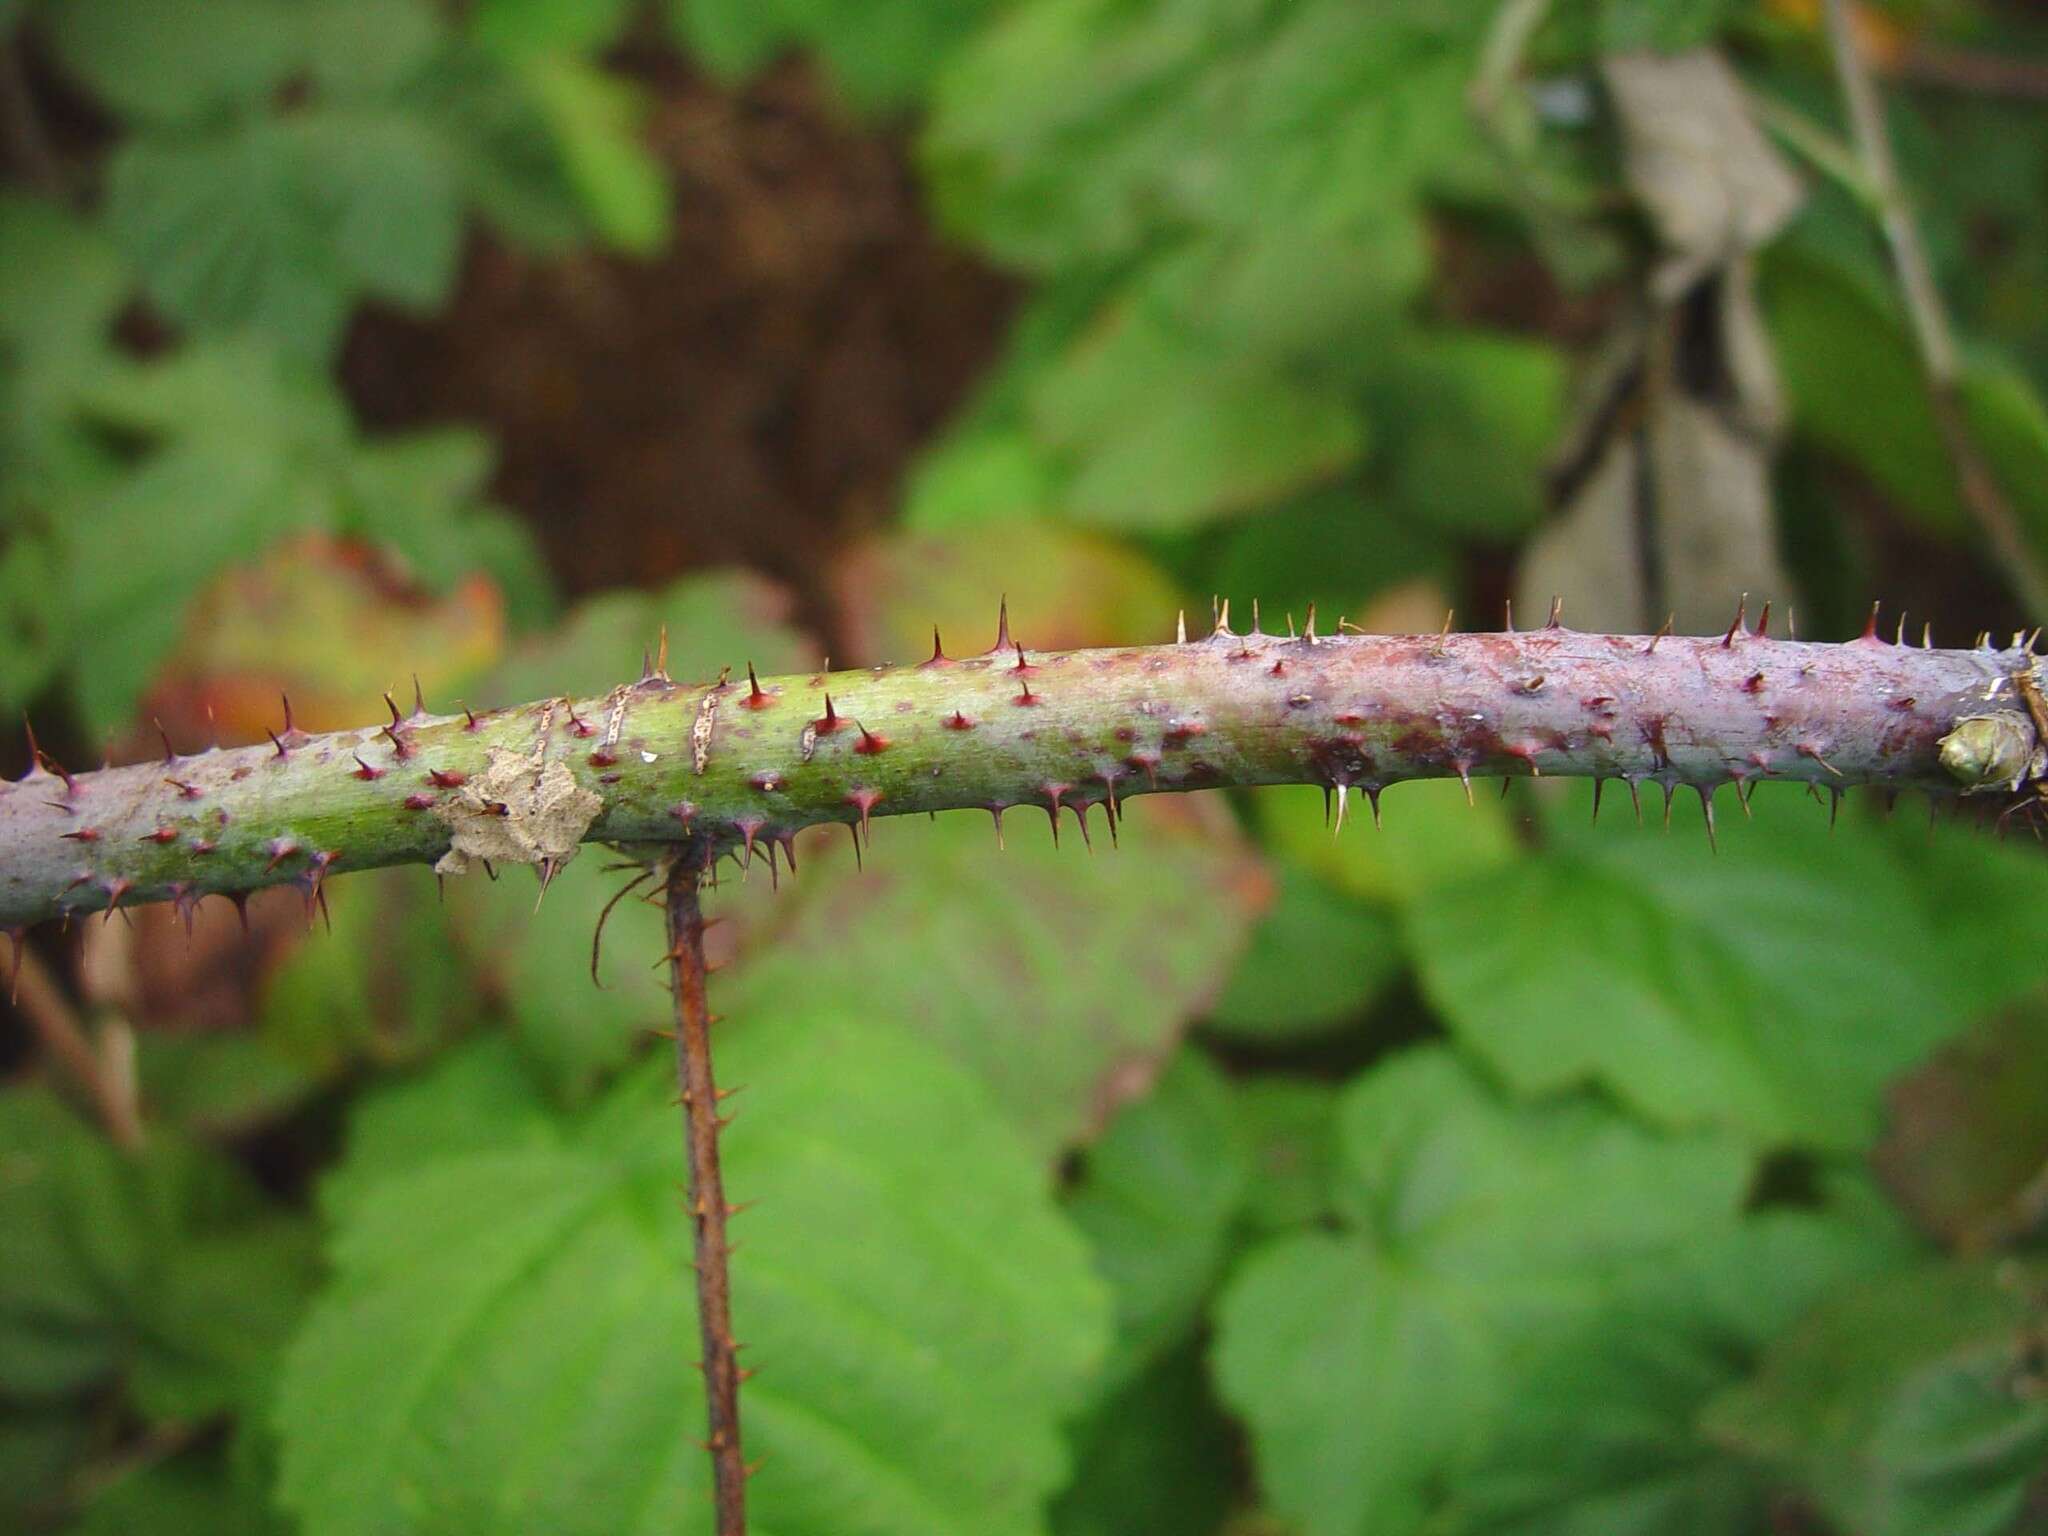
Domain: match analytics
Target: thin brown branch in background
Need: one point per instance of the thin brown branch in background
(707, 1208)
(106, 1080)
(1932, 337)
(27, 143)
(1974, 72)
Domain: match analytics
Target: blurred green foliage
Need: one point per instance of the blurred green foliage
(1492, 1172)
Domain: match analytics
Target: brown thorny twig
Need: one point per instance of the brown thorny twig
(1932, 337)
(37, 997)
(708, 1212)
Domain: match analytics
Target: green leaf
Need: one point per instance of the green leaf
(232, 445)
(519, 29)
(509, 1335)
(1162, 430)
(171, 60)
(1773, 988)
(193, 1494)
(1337, 542)
(1853, 382)
(1158, 1198)
(119, 1262)
(1372, 1364)
(62, 284)
(596, 121)
(1667, 26)
(1315, 963)
(732, 38)
(880, 53)
(510, 163)
(281, 224)
(1154, 1460)
(981, 474)
(1436, 395)
(1072, 130)
(40, 1447)
(1023, 971)
(1604, 1432)
(1910, 1406)
(381, 987)
(482, 1097)
(1428, 839)
(1291, 1125)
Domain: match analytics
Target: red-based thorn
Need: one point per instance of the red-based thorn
(185, 791)
(364, 770)
(958, 722)
(281, 848)
(757, 697)
(1052, 807)
(1735, 624)
(864, 799)
(163, 834)
(830, 721)
(51, 765)
(869, 743)
(1002, 627)
(447, 778)
(938, 655)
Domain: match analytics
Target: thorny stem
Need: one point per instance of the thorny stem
(1932, 336)
(709, 770)
(707, 1208)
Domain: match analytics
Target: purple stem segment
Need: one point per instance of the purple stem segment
(708, 769)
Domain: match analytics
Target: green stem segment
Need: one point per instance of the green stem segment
(703, 770)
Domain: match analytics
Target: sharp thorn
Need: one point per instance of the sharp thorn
(1735, 625)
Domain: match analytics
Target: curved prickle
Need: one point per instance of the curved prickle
(1343, 711)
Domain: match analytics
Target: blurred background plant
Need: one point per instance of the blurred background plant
(1491, 1172)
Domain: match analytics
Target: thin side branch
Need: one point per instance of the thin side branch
(58, 1028)
(707, 1208)
(1932, 336)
